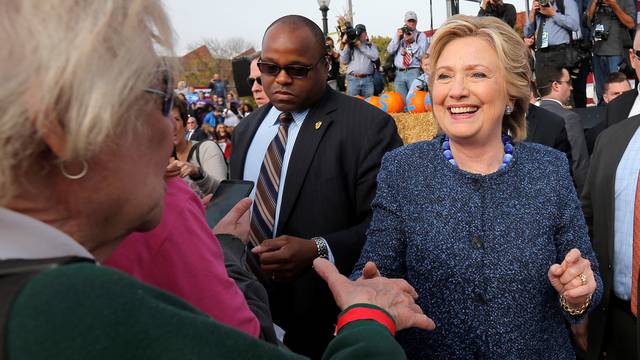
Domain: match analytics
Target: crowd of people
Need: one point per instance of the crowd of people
(513, 234)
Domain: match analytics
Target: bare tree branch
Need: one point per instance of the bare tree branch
(224, 49)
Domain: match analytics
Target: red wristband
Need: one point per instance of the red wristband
(366, 313)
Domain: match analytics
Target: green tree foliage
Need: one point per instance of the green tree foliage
(381, 43)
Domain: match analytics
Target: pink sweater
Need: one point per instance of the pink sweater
(183, 257)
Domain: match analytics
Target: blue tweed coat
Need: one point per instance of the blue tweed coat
(477, 249)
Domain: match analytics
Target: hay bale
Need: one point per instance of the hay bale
(415, 127)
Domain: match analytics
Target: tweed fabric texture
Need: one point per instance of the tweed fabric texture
(477, 249)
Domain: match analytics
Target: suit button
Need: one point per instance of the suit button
(609, 266)
(475, 183)
(481, 299)
(477, 242)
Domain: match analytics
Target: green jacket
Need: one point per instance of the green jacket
(83, 311)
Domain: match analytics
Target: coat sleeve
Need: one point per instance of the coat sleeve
(579, 151)
(118, 317)
(381, 136)
(254, 293)
(214, 167)
(572, 232)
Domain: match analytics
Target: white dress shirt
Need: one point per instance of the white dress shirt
(625, 194)
(635, 109)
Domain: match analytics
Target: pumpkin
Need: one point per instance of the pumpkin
(375, 101)
(428, 105)
(415, 101)
(392, 102)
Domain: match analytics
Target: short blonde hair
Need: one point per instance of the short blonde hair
(83, 64)
(512, 58)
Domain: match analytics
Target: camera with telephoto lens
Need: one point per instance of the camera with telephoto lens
(405, 30)
(600, 33)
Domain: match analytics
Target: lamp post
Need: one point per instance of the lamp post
(324, 7)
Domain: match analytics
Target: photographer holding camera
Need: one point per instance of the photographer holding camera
(334, 78)
(407, 46)
(497, 8)
(553, 22)
(359, 54)
(611, 21)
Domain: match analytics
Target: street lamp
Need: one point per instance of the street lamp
(324, 7)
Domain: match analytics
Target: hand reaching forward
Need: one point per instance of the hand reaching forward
(396, 296)
(573, 279)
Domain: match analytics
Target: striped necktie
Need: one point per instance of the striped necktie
(635, 264)
(264, 207)
(406, 58)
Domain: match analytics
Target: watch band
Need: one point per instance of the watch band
(323, 247)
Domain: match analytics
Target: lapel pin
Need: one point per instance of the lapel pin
(318, 124)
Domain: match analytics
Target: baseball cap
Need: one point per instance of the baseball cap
(410, 15)
(361, 28)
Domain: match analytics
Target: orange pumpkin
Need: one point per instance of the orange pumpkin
(392, 102)
(428, 105)
(375, 101)
(415, 101)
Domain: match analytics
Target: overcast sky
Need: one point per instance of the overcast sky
(194, 20)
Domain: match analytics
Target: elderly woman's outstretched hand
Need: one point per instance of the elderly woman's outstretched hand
(396, 296)
(573, 279)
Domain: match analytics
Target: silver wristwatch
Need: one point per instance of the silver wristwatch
(323, 247)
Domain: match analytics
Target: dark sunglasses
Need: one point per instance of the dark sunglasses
(251, 80)
(166, 94)
(295, 71)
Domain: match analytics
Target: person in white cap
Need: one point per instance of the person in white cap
(407, 45)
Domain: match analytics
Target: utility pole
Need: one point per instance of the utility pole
(431, 13)
(453, 7)
(350, 11)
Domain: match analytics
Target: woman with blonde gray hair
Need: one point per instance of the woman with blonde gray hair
(488, 229)
(85, 135)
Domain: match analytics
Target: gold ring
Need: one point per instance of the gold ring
(583, 279)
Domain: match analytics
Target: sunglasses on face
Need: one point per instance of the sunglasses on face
(166, 94)
(295, 71)
(251, 80)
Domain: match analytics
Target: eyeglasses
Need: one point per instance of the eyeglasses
(295, 71)
(167, 95)
(251, 80)
(563, 81)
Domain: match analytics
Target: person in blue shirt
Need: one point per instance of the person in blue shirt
(407, 45)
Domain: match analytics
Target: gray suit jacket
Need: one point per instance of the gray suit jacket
(575, 132)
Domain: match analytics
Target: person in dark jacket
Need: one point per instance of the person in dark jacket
(497, 8)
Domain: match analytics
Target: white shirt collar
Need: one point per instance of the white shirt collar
(298, 116)
(23, 237)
